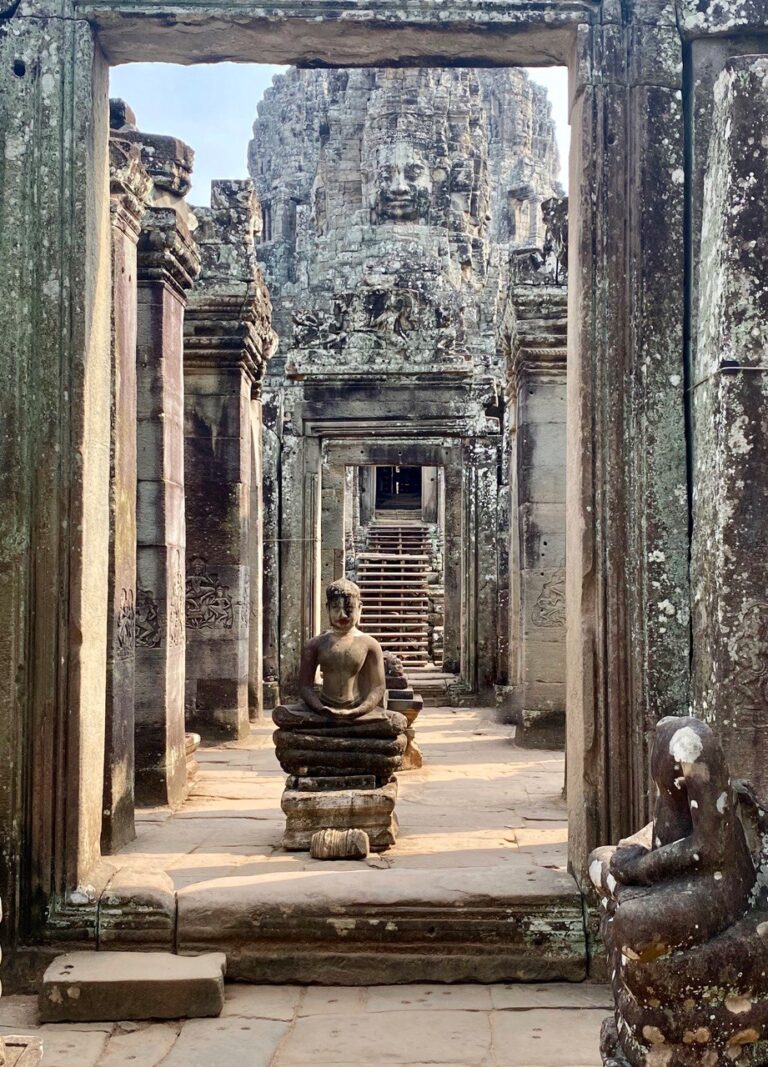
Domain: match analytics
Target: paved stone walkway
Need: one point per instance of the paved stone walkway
(480, 813)
(294, 1026)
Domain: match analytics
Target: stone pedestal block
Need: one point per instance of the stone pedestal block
(408, 706)
(106, 986)
(227, 339)
(130, 188)
(168, 264)
(372, 810)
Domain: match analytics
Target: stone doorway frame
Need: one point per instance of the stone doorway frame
(628, 661)
(470, 466)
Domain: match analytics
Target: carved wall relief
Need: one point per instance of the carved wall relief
(147, 621)
(549, 608)
(125, 626)
(176, 630)
(749, 656)
(208, 603)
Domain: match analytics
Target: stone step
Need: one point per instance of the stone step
(386, 557)
(524, 923)
(112, 986)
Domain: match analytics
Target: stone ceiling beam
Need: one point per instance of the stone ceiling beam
(489, 33)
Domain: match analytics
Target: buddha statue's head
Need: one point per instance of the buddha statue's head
(344, 607)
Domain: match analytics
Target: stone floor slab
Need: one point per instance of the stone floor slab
(395, 1037)
(429, 998)
(279, 1002)
(524, 996)
(545, 1038)
(73, 1048)
(145, 1046)
(233, 1042)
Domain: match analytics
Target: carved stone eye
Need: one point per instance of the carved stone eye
(385, 174)
(413, 171)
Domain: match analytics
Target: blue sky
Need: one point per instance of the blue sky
(212, 107)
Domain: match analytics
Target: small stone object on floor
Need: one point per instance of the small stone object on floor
(339, 845)
(112, 986)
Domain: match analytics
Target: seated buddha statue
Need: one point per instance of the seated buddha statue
(342, 730)
(684, 921)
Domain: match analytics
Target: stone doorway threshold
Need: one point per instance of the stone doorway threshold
(476, 888)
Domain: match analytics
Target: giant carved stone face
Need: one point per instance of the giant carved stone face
(403, 185)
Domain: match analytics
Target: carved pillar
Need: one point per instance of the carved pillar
(479, 606)
(332, 521)
(453, 568)
(271, 429)
(130, 187)
(537, 377)
(730, 548)
(429, 493)
(367, 494)
(627, 517)
(227, 339)
(256, 533)
(54, 466)
(168, 264)
(301, 609)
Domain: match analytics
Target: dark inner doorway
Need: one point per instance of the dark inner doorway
(398, 488)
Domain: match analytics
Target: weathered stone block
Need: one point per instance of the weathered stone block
(105, 986)
(372, 810)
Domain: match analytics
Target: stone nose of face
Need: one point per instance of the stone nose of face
(399, 184)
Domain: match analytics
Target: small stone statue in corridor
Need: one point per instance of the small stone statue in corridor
(340, 746)
(686, 917)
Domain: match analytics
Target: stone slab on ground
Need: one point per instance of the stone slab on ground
(91, 986)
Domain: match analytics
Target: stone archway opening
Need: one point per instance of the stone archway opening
(400, 481)
(628, 542)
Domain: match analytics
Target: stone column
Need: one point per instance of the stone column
(54, 465)
(452, 556)
(730, 547)
(367, 494)
(332, 521)
(429, 493)
(627, 516)
(256, 561)
(271, 430)
(168, 264)
(227, 339)
(130, 187)
(537, 376)
(301, 600)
